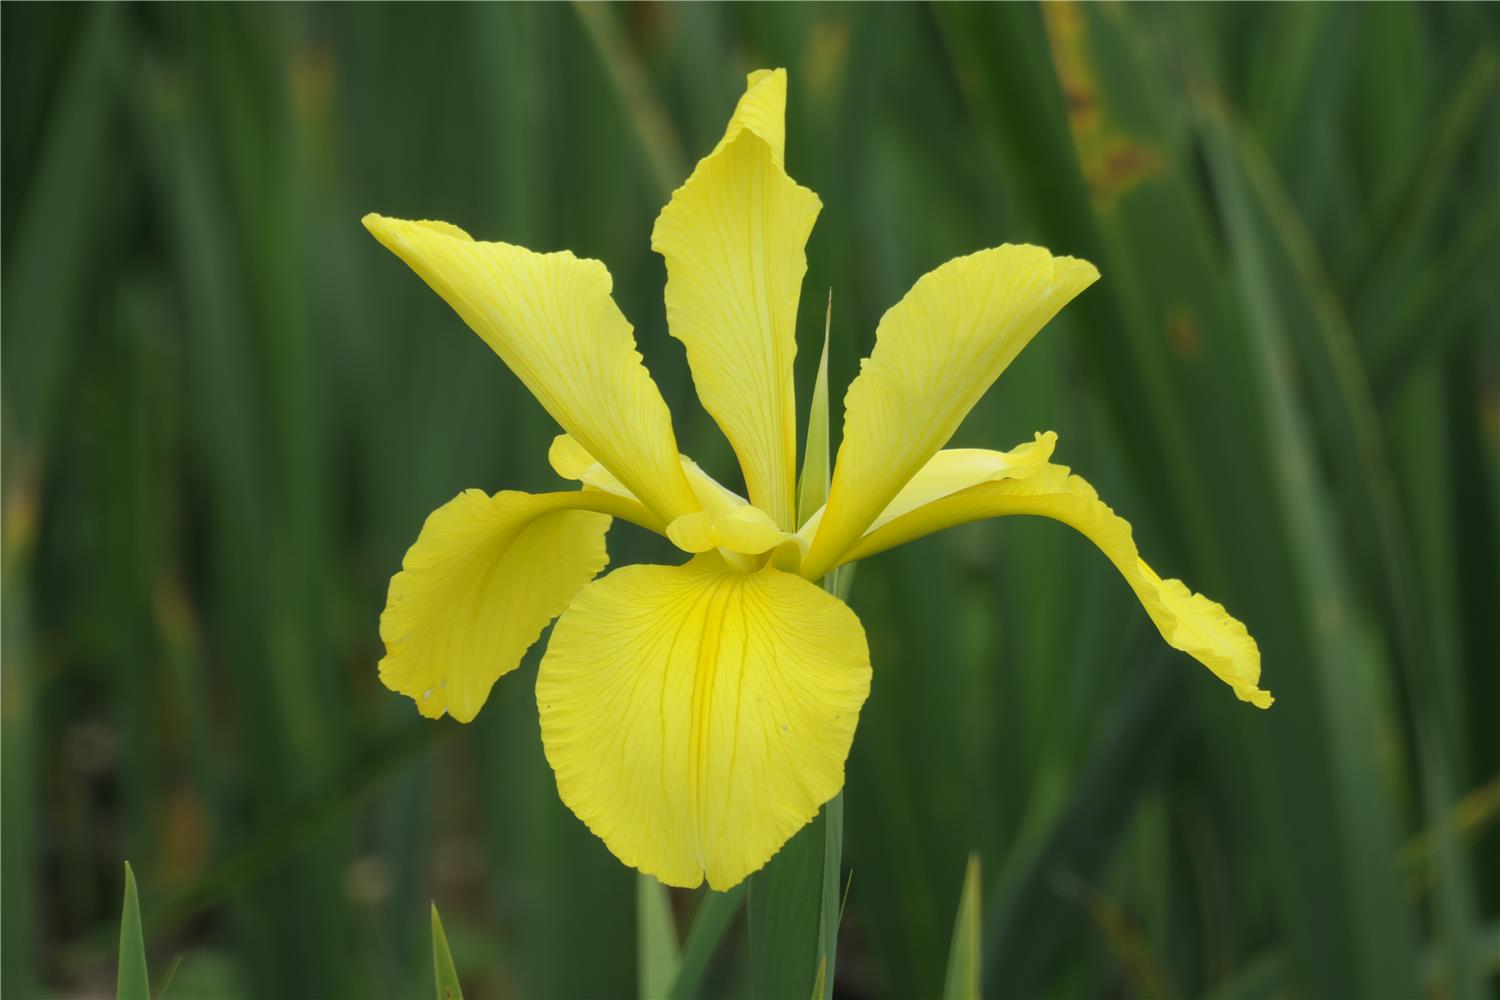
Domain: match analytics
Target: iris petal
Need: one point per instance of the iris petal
(484, 577)
(552, 320)
(936, 352)
(733, 237)
(1187, 621)
(697, 717)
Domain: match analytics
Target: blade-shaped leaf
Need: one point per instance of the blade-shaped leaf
(132, 982)
(444, 974)
(812, 488)
(715, 915)
(657, 957)
(962, 980)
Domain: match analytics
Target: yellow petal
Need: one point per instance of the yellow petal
(954, 469)
(1187, 621)
(726, 521)
(936, 352)
(571, 460)
(484, 577)
(697, 717)
(733, 237)
(761, 109)
(744, 530)
(551, 318)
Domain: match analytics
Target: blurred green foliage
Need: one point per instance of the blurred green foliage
(226, 412)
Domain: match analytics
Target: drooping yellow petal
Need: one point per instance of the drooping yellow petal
(949, 471)
(1187, 621)
(733, 237)
(954, 469)
(697, 717)
(484, 577)
(936, 352)
(551, 318)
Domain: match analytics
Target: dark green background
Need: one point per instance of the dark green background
(226, 411)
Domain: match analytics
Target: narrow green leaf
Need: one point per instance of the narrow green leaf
(1026, 931)
(1352, 706)
(657, 957)
(715, 915)
(56, 231)
(166, 981)
(812, 488)
(795, 906)
(786, 915)
(133, 982)
(962, 980)
(1352, 420)
(627, 72)
(831, 905)
(821, 982)
(444, 974)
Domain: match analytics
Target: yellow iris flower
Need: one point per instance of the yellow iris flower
(697, 716)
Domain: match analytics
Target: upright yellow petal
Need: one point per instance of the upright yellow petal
(551, 318)
(697, 717)
(483, 578)
(936, 352)
(1187, 621)
(761, 109)
(733, 237)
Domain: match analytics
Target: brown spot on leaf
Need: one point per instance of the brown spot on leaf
(1183, 332)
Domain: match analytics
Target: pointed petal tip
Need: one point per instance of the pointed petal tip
(1076, 272)
(387, 230)
(757, 76)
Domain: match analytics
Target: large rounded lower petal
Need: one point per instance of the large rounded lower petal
(697, 717)
(484, 577)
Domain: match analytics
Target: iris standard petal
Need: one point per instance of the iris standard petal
(552, 320)
(1187, 621)
(936, 352)
(733, 237)
(697, 717)
(484, 577)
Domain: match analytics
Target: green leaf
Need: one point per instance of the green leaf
(1353, 713)
(166, 981)
(787, 911)
(715, 915)
(627, 72)
(962, 980)
(1027, 928)
(444, 974)
(812, 488)
(795, 906)
(133, 983)
(657, 957)
(830, 904)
